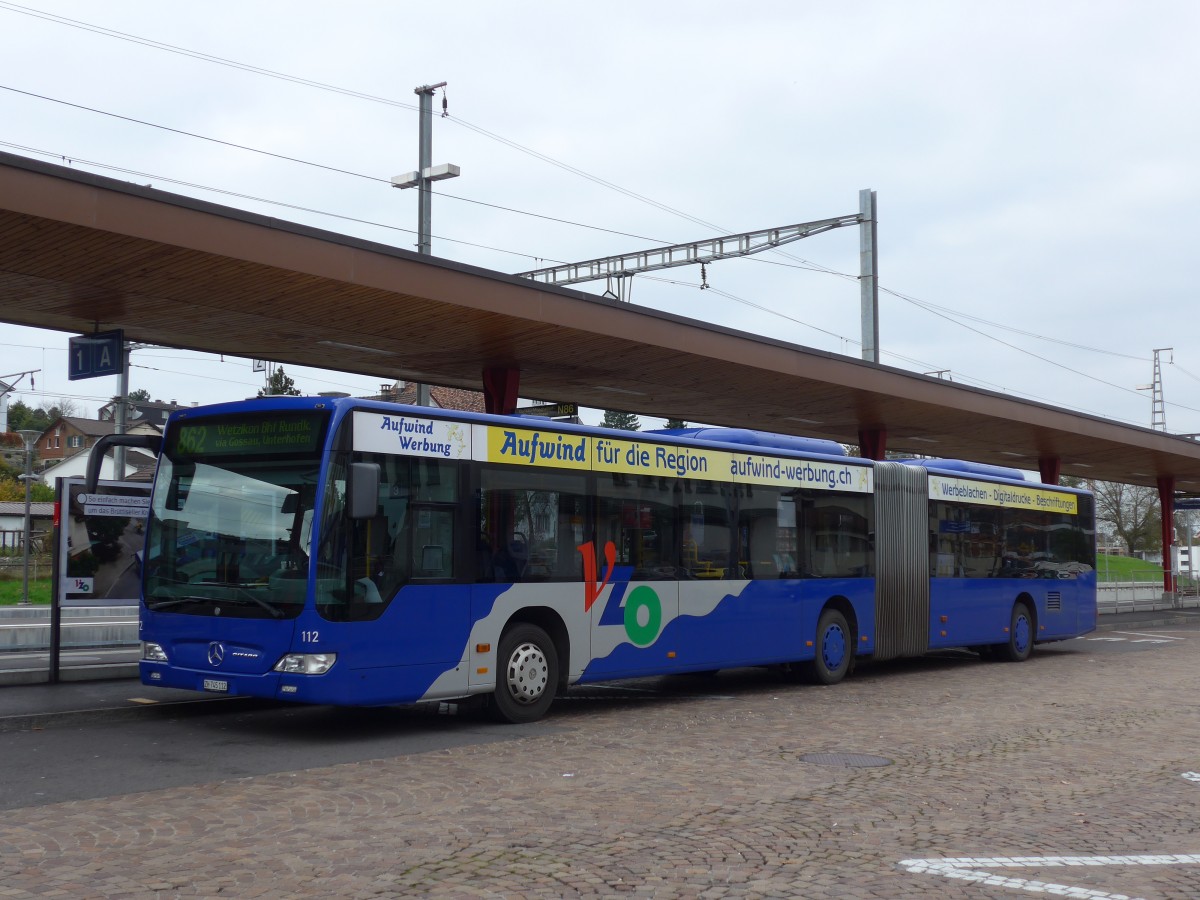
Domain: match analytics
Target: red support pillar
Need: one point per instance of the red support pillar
(872, 443)
(1166, 501)
(500, 384)
(1051, 469)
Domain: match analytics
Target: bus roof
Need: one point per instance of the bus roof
(750, 438)
(716, 437)
(965, 467)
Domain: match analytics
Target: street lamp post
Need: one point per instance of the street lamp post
(30, 437)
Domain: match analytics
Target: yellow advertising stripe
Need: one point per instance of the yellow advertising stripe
(987, 493)
(530, 447)
(526, 447)
(639, 458)
(754, 468)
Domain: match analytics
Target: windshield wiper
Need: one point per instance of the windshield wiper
(275, 611)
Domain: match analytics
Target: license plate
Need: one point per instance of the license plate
(215, 684)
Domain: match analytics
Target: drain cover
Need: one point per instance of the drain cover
(848, 760)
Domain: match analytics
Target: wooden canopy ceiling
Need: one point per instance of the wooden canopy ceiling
(80, 252)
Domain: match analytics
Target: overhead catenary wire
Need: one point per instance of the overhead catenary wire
(313, 83)
(1053, 362)
(922, 304)
(718, 292)
(953, 315)
(304, 162)
(242, 196)
(374, 98)
(849, 340)
(259, 70)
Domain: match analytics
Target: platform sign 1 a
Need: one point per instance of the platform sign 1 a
(101, 542)
(95, 355)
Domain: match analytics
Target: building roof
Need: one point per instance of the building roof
(90, 427)
(442, 397)
(40, 509)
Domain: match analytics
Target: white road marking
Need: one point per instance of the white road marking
(1157, 634)
(977, 870)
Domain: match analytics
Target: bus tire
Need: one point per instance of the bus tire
(526, 676)
(834, 649)
(1020, 635)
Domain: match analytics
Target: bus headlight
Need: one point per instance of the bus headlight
(152, 652)
(306, 663)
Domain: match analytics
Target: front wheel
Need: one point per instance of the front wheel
(835, 649)
(527, 677)
(1020, 636)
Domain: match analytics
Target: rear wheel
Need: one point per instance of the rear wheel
(527, 676)
(835, 649)
(1020, 635)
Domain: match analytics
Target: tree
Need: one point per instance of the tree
(11, 489)
(622, 420)
(66, 407)
(22, 417)
(676, 424)
(18, 415)
(280, 383)
(1132, 511)
(141, 395)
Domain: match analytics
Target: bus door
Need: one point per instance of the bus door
(635, 588)
(401, 602)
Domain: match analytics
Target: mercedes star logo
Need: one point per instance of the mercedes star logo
(216, 653)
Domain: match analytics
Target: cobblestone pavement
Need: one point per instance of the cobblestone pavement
(1068, 774)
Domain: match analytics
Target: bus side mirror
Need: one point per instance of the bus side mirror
(362, 491)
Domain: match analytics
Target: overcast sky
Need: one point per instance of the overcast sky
(1035, 163)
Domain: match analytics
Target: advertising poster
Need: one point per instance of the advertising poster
(101, 539)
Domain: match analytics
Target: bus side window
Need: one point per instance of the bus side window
(530, 524)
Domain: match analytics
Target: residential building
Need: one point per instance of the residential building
(139, 466)
(12, 522)
(440, 397)
(70, 436)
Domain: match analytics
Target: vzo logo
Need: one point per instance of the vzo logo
(640, 614)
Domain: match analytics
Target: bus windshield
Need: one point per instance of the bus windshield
(231, 522)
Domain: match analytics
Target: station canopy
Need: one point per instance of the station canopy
(81, 253)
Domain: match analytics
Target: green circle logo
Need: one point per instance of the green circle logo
(643, 616)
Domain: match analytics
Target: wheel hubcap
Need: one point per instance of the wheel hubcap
(528, 673)
(1021, 633)
(833, 647)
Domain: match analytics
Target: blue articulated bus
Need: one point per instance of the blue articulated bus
(343, 551)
